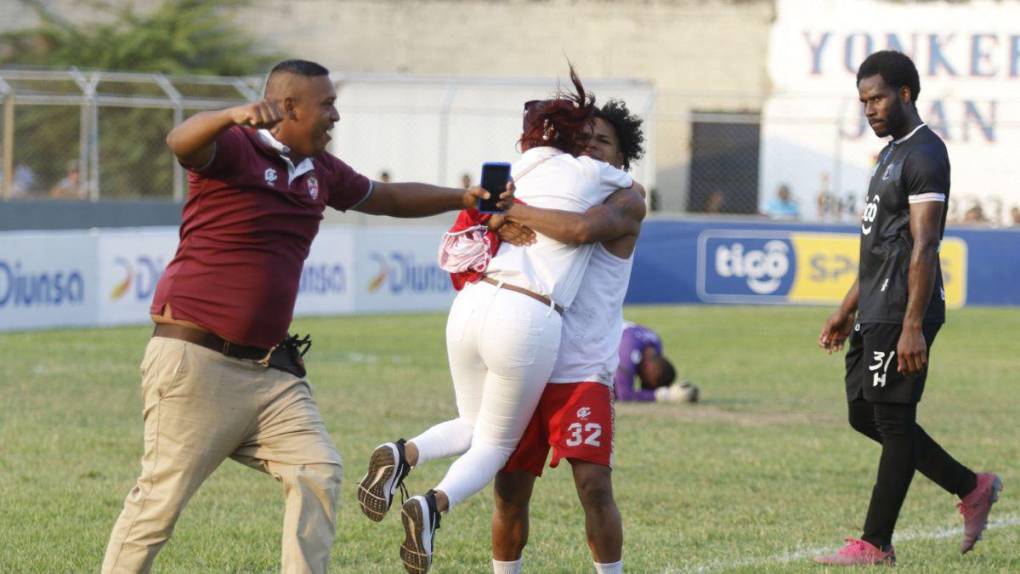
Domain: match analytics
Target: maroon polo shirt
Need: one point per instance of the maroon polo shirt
(245, 235)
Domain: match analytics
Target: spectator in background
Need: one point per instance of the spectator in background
(996, 213)
(825, 202)
(714, 202)
(384, 176)
(851, 205)
(654, 200)
(1014, 216)
(465, 180)
(22, 182)
(975, 215)
(641, 356)
(70, 186)
(782, 206)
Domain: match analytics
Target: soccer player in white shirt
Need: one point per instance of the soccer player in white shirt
(575, 414)
(503, 332)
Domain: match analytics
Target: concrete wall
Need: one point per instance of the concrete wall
(706, 55)
(699, 54)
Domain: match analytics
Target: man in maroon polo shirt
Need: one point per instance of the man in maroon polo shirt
(259, 181)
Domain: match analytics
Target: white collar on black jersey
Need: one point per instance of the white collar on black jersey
(906, 137)
(293, 171)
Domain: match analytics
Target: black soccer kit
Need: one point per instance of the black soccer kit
(913, 169)
(882, 401)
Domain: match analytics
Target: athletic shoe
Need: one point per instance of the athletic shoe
(421, 520)
(859, 553)
(386, 472)
(975, 508)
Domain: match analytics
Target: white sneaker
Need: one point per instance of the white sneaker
(386, 472)
(421, 520)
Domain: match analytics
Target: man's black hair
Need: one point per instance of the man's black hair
(627, 128)
(668, 373)
(300, 67)
(896, 68)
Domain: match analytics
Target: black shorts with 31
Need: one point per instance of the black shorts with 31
(871, 364)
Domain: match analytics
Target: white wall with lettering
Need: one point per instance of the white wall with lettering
(814, 136)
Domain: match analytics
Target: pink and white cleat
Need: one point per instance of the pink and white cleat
(859, 553)
(975, 508)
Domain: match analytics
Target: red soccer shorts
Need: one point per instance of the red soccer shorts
(575, 420)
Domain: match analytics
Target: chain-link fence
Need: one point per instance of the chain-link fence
(92, 135)
(86, 135)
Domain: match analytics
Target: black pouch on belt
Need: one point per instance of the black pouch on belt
(287, 356)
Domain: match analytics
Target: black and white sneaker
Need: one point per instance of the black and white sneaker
(421, 520)
(386, 472)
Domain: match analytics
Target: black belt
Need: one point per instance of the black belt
(540, 298)
(211, 341)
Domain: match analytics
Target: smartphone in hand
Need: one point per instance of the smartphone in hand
(495, 176)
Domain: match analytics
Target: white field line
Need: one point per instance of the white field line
(797, 555)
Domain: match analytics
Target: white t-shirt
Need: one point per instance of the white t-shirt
(592, 327)
(557, 181)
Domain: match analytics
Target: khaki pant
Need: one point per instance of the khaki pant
(201, 407)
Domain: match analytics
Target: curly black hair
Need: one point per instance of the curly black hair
(627, 127)
(897, 70)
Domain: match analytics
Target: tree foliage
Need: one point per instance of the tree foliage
(174, 37)
(177, 37)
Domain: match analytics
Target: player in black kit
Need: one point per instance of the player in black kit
(899, 302)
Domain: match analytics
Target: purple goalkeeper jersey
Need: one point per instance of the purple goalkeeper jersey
(634, 341)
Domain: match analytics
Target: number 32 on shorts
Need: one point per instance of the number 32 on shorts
(588, 433)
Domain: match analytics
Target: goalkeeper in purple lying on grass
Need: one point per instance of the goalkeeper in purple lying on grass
(644, 373)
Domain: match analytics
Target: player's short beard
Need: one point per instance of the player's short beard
(896, 119)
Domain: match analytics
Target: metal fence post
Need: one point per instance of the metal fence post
(444, 131)
(93, 150)
(86, 88)
(175, 97)
(8, 182)
(648, 113)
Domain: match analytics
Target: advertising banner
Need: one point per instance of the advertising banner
(685, 261)
(130, 264)
(47, 280)
(327, 277)
(798, 267)
(397, 270)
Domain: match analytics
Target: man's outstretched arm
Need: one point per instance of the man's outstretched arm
(421, 200)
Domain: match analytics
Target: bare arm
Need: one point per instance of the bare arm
(421, 200)
(837, 327)
(620, 215)
(623, 383)
(925, 221)
(194, 140)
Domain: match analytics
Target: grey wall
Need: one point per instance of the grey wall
(46, 214)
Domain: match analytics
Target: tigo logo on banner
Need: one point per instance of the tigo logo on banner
(737, 267)
(796, 267)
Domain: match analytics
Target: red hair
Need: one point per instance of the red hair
(562, 122)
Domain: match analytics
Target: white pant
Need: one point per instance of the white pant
(502, 347)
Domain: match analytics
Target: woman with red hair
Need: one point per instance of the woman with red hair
(503, 331)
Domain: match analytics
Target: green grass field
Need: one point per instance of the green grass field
(757, 477)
